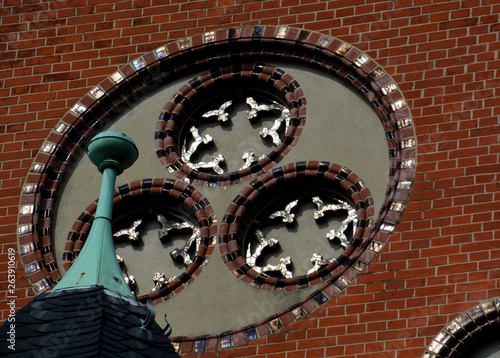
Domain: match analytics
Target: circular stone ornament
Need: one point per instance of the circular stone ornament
(159, 193)
(177, 113)
(226, 57)
(283, 181)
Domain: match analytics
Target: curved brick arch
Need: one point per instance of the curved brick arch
(175, 114)
(250, 201)
(159, 192)
(468, 332)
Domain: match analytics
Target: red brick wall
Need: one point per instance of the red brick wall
(444, 257)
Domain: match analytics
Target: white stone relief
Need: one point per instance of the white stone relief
(263, 243)
(160, 280)
(340, 205)
(129, 279)
(342, 234)
(318, 261)
(249, 158)
(286, 215)
(273, 131)
(214, 164)
(169, 223)
(223, 117)
(253, 255)
(195, 238)
(198, 139)
(282, 267)
(132, 232)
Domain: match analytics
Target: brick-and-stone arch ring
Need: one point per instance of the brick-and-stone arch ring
(282, 181)
(215, 49)
(467, 333)
(147, 193)
(177, 111)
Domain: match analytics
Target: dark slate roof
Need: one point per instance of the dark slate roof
(85, 322)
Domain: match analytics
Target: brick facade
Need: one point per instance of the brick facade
(443, 258)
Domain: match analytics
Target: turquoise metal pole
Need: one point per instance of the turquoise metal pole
(111, 152)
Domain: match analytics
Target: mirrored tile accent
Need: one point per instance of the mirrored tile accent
(24, 229)
(407, 143)
(32, 267)
(387, 228)
(405, 122)
(199, 346)
(161, 52)
(389, 88)
(250, 334)
(320, 298)
(281, 32)
(341, 283)
(225, 342)
(398, 104)
(26, 209)
(275, 324)
(138, 64)
(359, 265)
(41, 285)
(26, 249)
(408, 164)
(325, 41)
(258, 31)
(185, 43)
(375, 246)
(78, 108)
(209, 36)
(487, 307)
(30, 188)
(397, 206)
(117, 77)
(61, 127)
(49, 148)
(234, 33)
(435, 347)
(298, 313)
(361, 60)
(343, 48)
(38, 168)
(96, 92)
(377, 72)
(404, 185)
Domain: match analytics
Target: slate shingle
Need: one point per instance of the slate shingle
(85, 322)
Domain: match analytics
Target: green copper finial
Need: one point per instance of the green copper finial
(112, 149)
(112, 153)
